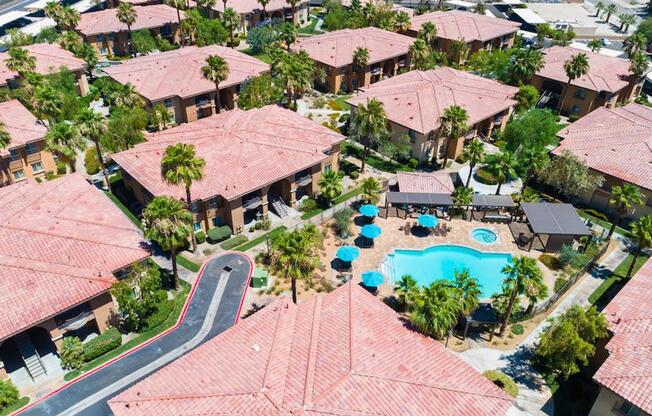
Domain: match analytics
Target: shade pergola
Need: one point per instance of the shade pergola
(486, 203)
(483, 315)
(560, 222)
(405, 199)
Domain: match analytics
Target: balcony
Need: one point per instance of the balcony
(251, 202)
(376, 70)
(76, 322)
(303, 180)
(203, 102)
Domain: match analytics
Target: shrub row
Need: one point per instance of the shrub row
(551, 262)
(162, 313)
(217, 234)
(103, 343)
(234, 242)
(503, 381)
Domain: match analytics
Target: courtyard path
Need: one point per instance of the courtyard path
(534, 397)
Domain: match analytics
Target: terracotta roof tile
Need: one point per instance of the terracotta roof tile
(628, 369)
(467, 26)
(147, 17)
(614, 141)
(417, 99)
(60, 242)
(49, 58)
(21, 125)
(425, 182)
(344, 353)
(244, 150)
(158, 76)
(336, 48)
(606, 73)
(250, 6)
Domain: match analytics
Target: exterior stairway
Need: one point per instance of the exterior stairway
(29, 355)
(279, 206)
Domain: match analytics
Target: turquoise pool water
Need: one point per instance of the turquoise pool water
(441, 262)
(484, 236)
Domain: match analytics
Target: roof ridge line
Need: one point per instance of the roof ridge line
(312, 352)
(58, 273)
(282, 305)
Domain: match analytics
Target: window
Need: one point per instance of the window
(328, 168)
(194, 206)
(413, 135)
(14, 154)
(580, 94)
(168, 102)
(37, 167)
(628, 409)
(217, 221)
(31, 148)
(213, 203)
(110, 36)
(196, 227)
(103, 51)
(99, 38)
(575, 109)
(19, 174)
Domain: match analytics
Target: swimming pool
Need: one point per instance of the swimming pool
(441, 262)
(484, 236)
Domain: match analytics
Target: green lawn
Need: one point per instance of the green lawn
(344, 197)
(253, 243)
(310, 29)
(124, 209)
(340, 104)
(262, 55)
(374, 161)
(605, 224)
(188, 264)
(617, 276)
(179, 302)
(10, 409)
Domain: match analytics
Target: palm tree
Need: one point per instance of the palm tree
(641, 233)
(636, 42)
(181, 166)
(402, 22)
(419, 52)
(436, 310)
(638, 66)
(92, 125)
(207, 5)
(264, 3)
(369, 126)
(599, 6)
(293, 6)
(231, 23)
(468, 291)
(459, 51)
(89, 55)
(19, 60)
(360, 60)
(68, 18)
(330, 185)
(167, 222)
(624, 198)
(48, 104)
(610, 9)
(52, 10)
(160, 117)
(296, 70)
(63, 140)
(503, 167)
(543, 30)
(462, 197)
(5, 139)
(71, 41)
(480, 8)
(128, 96)
(454, 125)
(407, 291)
(523, 276)
(525, 63)
(428, 32)
(577, 66)
(595, 45)
(370, 190)
(126, 14)
(216, 70)
(532, 160)
(287, 34)
(295, 255)
(178, 5)
(626, 20)
(474, 153)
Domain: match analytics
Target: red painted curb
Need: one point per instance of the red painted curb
(162, 334)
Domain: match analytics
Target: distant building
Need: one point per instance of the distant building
(388, 53)
(415, 102)
(479, 32)
(49, 58)
(626, 375)
(344, 353)
(616, 143)
(62, 244)
(175, 79)
(607, 83)
(109, 36)
(257, 159)
(26, 157)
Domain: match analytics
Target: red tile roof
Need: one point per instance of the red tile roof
(606, 73)
(417, 99)
(425, 182)
(49, 58)
(60, 242)
(147, 17)
(21, 125)
(345, 353)
(336, 48)
(244, 150)
(250, 6)
(628, 369)
(614, 141)
(467, 26)
(158, 76)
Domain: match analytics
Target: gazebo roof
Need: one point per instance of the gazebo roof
(484, 313)
(493, 201)
(436, 200)
(554, 219)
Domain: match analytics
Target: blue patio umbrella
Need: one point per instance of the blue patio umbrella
(347, 253)
(369, 210)
(427, 220)
(371, 231)
(372, 279)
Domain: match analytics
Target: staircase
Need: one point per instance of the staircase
(279, 206)
(29, 355)
(543, 100)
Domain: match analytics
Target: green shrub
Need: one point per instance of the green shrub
(91, 161)
(413, 163)
(200, 237)
(217, 234)
(103, 343)
(569, 257)
(234, 242)
(163, 311)
(72, 353)
(344, 118)
(551, 262)
(559, 283)
(334, 116)
(319, 102)
(354, 175)
(597, 214)
(517, 329)
(336, 105)
(483, 175)
(503, 381)
(8, 394)
(308, 205)
(61, 167)
(342, 221)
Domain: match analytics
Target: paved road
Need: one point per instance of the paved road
(213, 308)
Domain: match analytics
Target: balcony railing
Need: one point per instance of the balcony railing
(304, 180)
(202, 102)
(76, 322)
(376, 70)
(252, 202)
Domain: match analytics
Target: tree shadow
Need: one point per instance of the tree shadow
(519, 367)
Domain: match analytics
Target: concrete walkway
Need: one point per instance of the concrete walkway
(213, 308)
(534, 397)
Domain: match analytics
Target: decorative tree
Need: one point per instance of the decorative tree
(92, 125)
(216, 70)
(370, 190)
(369, 126)
(523, 277)
(577, 66)
(641, 233)
(474, 153)
(126, 14)
(454, 125)
(63, 139)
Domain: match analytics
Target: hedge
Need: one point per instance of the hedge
(559, 283)
(103, 343)
(550, 261)
(91, 161)
(503, 381)
(163, 311)
(8, 394)
(482, 175)
(234, 242)
(217, 234)
(200, 237)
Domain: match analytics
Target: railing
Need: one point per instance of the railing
(76, 322)
(202, 102)
(251, 203)
(304, 180)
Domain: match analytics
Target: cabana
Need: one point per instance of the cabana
(483, 316)
(552, 224)
(405, 201)
(493, 207)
